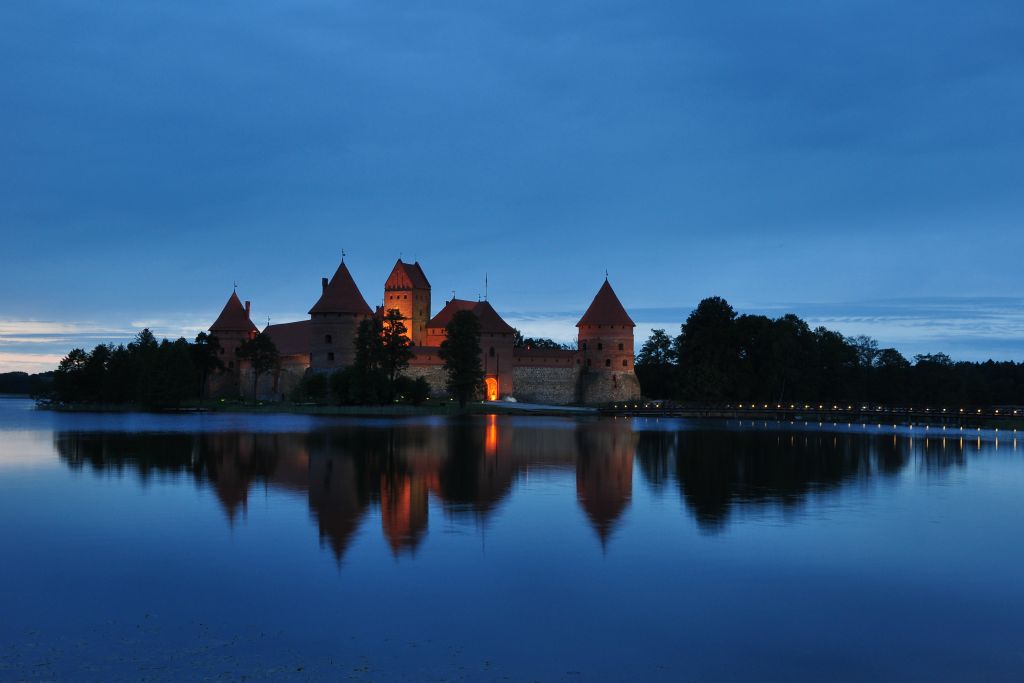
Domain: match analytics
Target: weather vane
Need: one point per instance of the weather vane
(342, 255)
(234, 287)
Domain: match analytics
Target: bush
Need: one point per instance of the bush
(312, 387)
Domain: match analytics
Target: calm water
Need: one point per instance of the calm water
(289, 548)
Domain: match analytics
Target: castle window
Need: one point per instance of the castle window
(491, 352)
(327, 339)
(577, 361)
(330, 355)
(600, 346)
(620, 347)
(588, 362)
(584, 346)
(625, 363)
(608, 362)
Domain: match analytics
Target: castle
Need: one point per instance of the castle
(599, 371)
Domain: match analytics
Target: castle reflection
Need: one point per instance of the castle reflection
(470, 467)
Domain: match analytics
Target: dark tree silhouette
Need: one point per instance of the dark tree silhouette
(206, 358)
(460, 352)
(262, 355)
(395, 348)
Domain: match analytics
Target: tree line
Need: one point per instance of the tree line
(720, 356)
(167, 373)
(145, 371)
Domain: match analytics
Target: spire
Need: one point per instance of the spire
(341, 295)
(606, 309)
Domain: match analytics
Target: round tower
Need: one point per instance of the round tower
(606, 350)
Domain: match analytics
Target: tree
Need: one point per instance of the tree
(866, 349)
(369, 346)
(657, 350)
(460, 352)
(262, 355)
(68, 378)
(521, 342)
(143, 353)
(313, 387)
(206, 358)
(395, 348)
(707, 351)
(655, 366)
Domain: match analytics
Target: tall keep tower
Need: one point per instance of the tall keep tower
(606, 349)
(408, 290)
(334, 321)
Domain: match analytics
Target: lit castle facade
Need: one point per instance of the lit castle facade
(599, 371)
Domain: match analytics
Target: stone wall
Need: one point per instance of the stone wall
(435, 376)
(599, 388)
(556, 385)
(274, 386)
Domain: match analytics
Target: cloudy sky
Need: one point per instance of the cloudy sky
(858, 163)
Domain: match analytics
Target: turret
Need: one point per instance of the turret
(606, 351)
(334, 321)
(232, 327)
(606, 333)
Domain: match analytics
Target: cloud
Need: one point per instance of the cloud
(28, 362)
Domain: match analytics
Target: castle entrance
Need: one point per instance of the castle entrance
(492, 388)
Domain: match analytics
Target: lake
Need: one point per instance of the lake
(251, 547)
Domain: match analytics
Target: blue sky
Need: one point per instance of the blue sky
(858, 163)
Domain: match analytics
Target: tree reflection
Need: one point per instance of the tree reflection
(718, 471)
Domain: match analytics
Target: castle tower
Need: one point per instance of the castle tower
(334, 321)
(232, 327)
(606, 349)
(408, 290)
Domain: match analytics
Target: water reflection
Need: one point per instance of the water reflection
(718, 471)
(469, 468)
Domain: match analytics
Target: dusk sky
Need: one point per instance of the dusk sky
(858, 163)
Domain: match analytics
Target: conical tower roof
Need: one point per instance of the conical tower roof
(234, 318)
(606, 309)
(341, 295)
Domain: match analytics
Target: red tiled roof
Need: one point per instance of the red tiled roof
(291, 339)
(407, 275)
(233, 318)
(606, 309)
(490, 321)
(341, 295)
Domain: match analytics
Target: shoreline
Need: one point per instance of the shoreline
(439, 408)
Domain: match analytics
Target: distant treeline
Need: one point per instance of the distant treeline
(721, 357)
(24, 383)
(145, 372)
